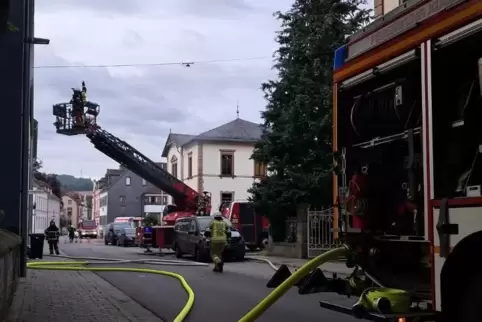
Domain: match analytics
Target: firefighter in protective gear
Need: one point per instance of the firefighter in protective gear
(84, 93)
(219, 233)
(52, 233)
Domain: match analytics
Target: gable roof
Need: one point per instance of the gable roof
(238, 130)
(177, 139)
(114, 175)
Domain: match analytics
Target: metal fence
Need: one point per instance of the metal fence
(320, 232)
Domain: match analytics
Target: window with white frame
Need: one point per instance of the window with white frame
(128, 181)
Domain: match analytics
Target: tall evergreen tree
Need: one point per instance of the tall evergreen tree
(296, 142)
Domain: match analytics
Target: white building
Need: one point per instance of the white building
(382, 7)
(218, 161)
(46, 207)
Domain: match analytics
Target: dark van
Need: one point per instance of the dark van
(189, 239)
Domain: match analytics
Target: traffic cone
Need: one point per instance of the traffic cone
(315, 282)
(279, 277)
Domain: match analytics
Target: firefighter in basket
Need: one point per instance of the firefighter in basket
(218, 232)
(79, 98)
(52, 234)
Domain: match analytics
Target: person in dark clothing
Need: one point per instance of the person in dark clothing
(71, 233)
(52, 234)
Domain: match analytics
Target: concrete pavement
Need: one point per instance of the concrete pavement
(219, 297)
(62, 296)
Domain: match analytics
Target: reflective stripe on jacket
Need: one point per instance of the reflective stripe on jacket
(218, 231)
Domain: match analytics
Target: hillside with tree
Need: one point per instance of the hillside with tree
(61, 183)
(296, 141)
(71, 183)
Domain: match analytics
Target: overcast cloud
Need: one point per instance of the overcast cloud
(141, 104)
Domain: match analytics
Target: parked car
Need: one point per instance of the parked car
(112, 231)
(126, 237)
(189, 239)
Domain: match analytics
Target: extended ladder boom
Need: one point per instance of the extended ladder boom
(79, 116)
(120, 151)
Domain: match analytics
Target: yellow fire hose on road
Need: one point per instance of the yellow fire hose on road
(251, 316)
(81, 266)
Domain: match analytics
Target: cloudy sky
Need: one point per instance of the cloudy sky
(141, 104)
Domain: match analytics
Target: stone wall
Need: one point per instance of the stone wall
(299, 248)
(10, 245)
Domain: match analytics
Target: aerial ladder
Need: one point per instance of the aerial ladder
(79, 117)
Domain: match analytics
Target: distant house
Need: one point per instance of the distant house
(125, 194)
(217, 161)
(46, 207)
(72, 209)
(99, 196)
(86, 204)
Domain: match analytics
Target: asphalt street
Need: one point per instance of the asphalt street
(219, 297)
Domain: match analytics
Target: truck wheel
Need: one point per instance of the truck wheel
(264, 244)
(178, 252)
(470, 304)
(240, 257)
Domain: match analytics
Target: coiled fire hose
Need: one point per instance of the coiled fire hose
(369, 299)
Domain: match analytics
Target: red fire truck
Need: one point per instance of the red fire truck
(187, 201)
(407, 141)
(87, 229)
(407, 100)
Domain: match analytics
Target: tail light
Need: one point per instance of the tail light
(235, 218)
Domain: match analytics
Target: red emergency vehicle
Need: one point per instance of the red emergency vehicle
(133, 221)
(87, 229)
(252, 226)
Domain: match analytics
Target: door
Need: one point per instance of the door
(247, 218)
(108, 232)
(193, 236)
(182, 235)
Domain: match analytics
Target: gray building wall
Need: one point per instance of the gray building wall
(16, 95)
(132, 203)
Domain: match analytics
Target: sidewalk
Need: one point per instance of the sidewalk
(69, 296)
(295, 263)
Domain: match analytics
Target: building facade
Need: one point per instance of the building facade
(128, 195)
(100, 195)
(72, 209)
(46, 207)
(218, 161)
(86, 203)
